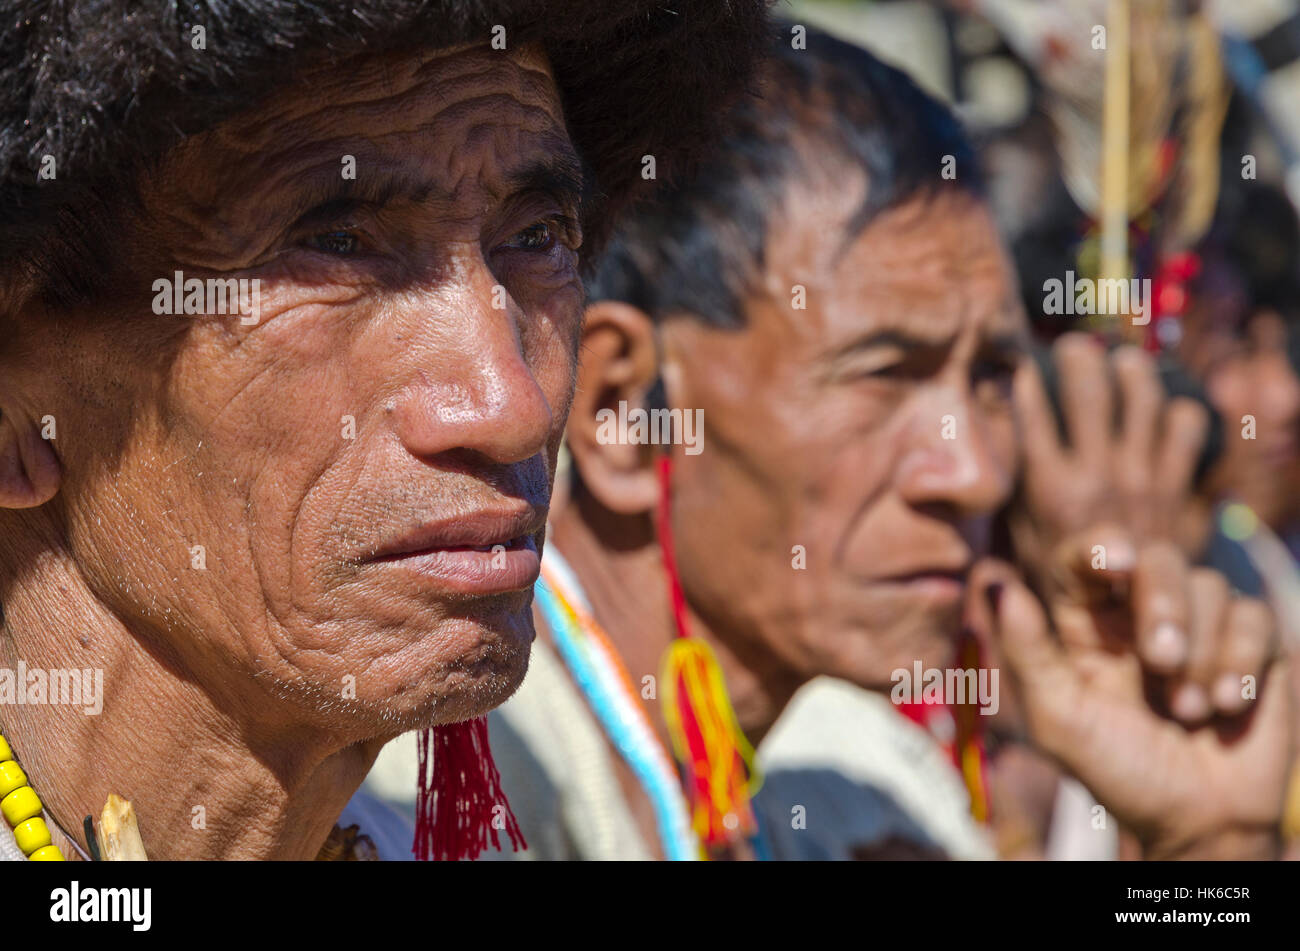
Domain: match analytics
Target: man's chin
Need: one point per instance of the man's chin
(476, 682)
(472, 695)
(459, 670)
(485, 688)
(886, 641)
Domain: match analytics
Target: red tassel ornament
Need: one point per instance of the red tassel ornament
(460, 803)
(718, 762)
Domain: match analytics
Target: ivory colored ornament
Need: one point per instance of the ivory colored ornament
(118, 833)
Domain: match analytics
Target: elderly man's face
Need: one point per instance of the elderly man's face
(872, 429)
(305, 509)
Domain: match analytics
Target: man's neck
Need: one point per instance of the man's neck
(207, 780)
(619, 563)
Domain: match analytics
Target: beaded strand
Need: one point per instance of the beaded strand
(605, 684)
(22, 810)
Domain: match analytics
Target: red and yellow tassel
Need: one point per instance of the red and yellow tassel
(707, 740)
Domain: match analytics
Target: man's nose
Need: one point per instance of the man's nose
(472, 388)
(952, 461)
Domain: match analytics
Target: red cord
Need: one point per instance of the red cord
(664, 520)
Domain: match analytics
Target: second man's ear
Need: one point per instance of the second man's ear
(619, 365)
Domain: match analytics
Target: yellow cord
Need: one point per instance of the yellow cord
(693, 663)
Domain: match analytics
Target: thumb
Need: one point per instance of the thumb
(1016, 623)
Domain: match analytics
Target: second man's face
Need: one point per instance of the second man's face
(859, 435)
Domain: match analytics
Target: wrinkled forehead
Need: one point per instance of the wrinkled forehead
(928, 267)
(452, 126)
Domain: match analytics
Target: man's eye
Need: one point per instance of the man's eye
(334, 242)
(898, 369)
(994, 369)
(993, 378)
(536, 237)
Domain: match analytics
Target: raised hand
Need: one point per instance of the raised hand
(1136, 470)
(1156, 688)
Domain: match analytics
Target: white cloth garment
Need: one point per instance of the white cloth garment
(863, 774)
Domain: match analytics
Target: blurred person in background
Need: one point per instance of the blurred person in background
(1238, 337)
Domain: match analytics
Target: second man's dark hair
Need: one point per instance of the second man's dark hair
(700, 244)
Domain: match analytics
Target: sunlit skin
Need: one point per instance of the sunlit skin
(341, 602)
(1142, 669)
(842, 449)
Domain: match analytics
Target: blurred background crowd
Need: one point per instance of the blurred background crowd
(1212, 166)
(1213, 184)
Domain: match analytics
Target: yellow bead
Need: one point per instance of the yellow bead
(32, 835)
(11, 777)
(50, 853)
(5, 751)
(20, 805)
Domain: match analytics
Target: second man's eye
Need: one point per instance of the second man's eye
(334, 242)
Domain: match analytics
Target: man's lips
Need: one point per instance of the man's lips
(939, 584)
(924, 574)
(479, 529)
(490, 551)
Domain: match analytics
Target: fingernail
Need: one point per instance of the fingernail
(993, 594)
(1227, 692)
(1121, 557)
(1190, 703)
(1168, 647)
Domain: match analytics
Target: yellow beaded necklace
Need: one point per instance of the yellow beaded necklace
(22, 810)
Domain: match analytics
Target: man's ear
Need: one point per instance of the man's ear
(29, 470)
(619, 363)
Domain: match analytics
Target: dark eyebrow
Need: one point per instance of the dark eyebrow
(559, 175)
(331, 197)
(887, 338)
(326, 200)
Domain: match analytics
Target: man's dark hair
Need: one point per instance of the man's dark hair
(107, 86)
(699, 246)
(1256, 233)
